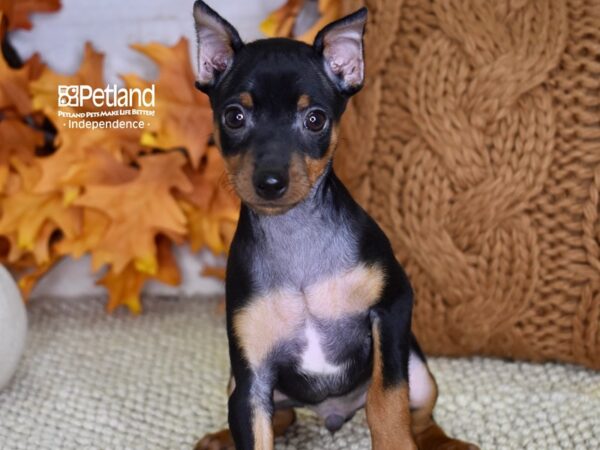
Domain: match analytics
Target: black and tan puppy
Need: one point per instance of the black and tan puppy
(318, 308)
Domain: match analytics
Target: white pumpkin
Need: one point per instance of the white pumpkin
(13, 326)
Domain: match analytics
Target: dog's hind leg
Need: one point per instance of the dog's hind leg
(222, 440)
(422, 397)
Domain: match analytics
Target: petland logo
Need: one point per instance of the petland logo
(111, 96)
(85, 107)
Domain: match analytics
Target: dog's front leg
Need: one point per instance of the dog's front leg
(251, 410)
(388, 410)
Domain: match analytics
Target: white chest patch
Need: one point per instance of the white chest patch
(313, 358)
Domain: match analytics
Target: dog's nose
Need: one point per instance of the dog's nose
(270, 185)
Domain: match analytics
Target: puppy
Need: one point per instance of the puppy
(318, 308)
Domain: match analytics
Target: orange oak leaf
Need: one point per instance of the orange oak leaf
(138, 210)
(211, 230)
(124, 288)
(93, 228)
(14, 82)
(212, 208)
(18, 11)
(183, 114)
(215, 272)
(91, 166)
(208, 179)
(16, 140)
(280, 23)
(28, 278)
(26, 213)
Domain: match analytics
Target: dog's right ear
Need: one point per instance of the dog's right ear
(218, 41)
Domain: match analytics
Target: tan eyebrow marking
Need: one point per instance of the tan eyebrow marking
(303, 102)
(246, 99)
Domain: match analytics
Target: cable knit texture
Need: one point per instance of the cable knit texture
(476, 146)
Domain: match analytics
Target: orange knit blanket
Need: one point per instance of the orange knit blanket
(476, 146)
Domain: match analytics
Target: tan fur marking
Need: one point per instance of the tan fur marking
(282, 420)
(246, 100)
(239, 170)
(233, 163)
(266, 321)
(315, 167)
(262, 430)
(347, 293)
(217, 134)
(388, 409)
(303, 102)
(299, 183)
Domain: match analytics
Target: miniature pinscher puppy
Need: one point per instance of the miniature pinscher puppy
(318, 308)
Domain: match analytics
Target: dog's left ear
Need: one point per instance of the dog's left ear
(341, 44)
(218, 41)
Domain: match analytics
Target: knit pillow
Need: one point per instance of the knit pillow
(476, 146)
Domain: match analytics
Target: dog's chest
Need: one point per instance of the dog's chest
(310, 289)
(310, 323)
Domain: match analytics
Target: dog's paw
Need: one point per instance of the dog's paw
(221, 440)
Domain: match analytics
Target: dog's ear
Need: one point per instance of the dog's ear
(218, 41)
(341, 44)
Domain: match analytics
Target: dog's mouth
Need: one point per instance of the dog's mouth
(270, 208)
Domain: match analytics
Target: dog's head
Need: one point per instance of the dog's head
(277, 104)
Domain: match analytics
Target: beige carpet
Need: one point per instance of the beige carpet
(92, 381)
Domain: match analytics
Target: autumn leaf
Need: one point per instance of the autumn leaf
(280, 23)
(93, 228)
(211, 207)
(17, 140)
(70, 171)
(184, 117)
(215, 272)
(138, 210)
(29, 279)
(14, 82)
(124, 288)
(18, 11)
(25, 213)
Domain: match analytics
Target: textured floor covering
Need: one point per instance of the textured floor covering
(92, 381)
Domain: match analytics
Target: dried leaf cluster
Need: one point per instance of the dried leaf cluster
(122, 195)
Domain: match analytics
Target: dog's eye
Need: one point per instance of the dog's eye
(234, 117)
(315, 120)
